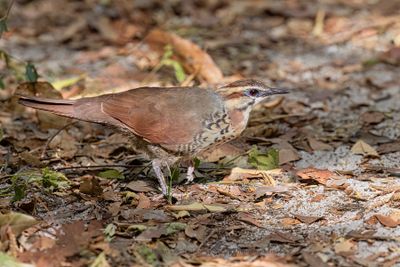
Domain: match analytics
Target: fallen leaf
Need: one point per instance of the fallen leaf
(17, 221)
(219, 152)
(270, 190)
(372, 117)
(287, 155)
(313, 260)
(264, 161)
(388, 220)
(345, 246)
(198, 232)
(144, 202)
(307, 219)
(90, 185)
(318, 145)
(111, 174)
(239, 174)
(249, 218)
(196, 60)
(100, 261)
(320, 176)
(281, 237)
(160, 230)
(362, 148)
(389, 147)
(196, 206)
(139, 186)
(289, 221)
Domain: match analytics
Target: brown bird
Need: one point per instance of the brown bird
(170, 123)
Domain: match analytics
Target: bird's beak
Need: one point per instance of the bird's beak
(276, 91)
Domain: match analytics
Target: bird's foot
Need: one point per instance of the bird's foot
(189, 175)
(157, 164)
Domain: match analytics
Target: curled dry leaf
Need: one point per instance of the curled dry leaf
(195, 59)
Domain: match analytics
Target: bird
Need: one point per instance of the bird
(169, 123)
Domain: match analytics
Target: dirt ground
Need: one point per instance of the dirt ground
(79, 194)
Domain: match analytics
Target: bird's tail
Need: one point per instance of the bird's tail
(85, 109)
(57, 106)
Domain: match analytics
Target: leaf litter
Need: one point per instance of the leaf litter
(326, 194)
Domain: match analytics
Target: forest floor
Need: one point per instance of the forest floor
(82, 196)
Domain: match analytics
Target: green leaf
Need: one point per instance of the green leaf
(31, 74)
(54, 180)
(175, 227)
(111, 174)
(3, 26)
(109, 231)
(176, 65)
(267, 161)
(196, 163)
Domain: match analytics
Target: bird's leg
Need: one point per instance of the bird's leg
(189, 173)
(157, 165)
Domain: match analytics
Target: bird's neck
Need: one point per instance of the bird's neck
(239, 113)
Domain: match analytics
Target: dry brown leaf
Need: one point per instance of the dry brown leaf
(307, 219)
(221, 151)
(318, 145)
(345, 246)
(390, 220)
(313, 260)
(238, 174)
(389, 147)
(289, 221)
(249, 218)
(195, 59)
(270, 190)
(362, 148)
(90, 185)
(372, 117)
(281, 237)
(320, 176)
(144, 202)
(139, 186)
(287, 155)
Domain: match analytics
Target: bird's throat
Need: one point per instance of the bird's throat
(239, 119)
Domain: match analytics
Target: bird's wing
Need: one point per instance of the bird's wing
(171, 116)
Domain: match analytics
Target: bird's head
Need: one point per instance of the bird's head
(245, 94)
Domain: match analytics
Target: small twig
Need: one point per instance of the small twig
(52, 137)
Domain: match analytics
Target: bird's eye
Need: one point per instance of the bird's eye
(253, 92)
